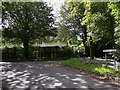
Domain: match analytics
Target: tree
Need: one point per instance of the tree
(115, 11)
(100, 25)
(92, 19)
(63, 33)
(72, 14)
(26, 22)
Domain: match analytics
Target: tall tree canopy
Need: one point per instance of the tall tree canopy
(115, 11)
(100, 25)
(96, 19)
(72, 14)
(26, 22)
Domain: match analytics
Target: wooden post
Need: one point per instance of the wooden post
(115, 66)
(106, 59)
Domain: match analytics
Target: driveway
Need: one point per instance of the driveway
(42, 75)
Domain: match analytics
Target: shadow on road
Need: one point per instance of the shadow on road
(41, 75)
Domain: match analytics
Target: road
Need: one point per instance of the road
(47, 74)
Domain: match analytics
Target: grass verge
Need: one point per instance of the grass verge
(75, 63)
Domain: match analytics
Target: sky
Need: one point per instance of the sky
(56, 4)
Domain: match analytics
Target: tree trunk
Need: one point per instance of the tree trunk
(112, 31)
(91, 49)
(85, 39)
(26, 49)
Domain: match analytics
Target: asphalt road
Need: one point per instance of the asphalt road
(46, 75)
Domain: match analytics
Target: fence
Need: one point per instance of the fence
(111, 58)
(38, 53)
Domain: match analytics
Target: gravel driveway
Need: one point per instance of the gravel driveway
(48, 74)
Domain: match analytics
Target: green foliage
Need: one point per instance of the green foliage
(95, 19)
(117, 37)
(71, 14)
(98, 21)
(115, 11)
(26, 19)
(63, 34)
(73, 41)
(81, 48)
(26, 22)
(115, 7)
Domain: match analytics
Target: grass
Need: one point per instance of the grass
(76, 63)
